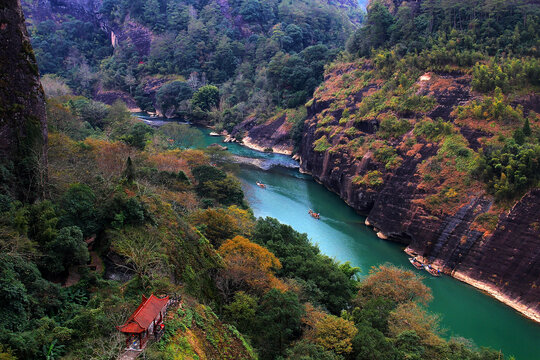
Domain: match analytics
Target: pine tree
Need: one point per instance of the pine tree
(527, 128)
(129, 173)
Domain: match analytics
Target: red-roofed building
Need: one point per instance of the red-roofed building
(146, 320)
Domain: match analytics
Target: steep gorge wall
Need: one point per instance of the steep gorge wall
(505, 262)
(23, 125)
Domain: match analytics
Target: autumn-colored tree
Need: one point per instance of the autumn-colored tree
(171, 161)
(142, 248)
(393, 283)
(335, 333)
(216, 224)
(248, 267)
(194, 157)
(411, 317)
(219, 225)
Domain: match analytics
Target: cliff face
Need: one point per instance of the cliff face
(418, 195)
(23, 126)
(274, 134)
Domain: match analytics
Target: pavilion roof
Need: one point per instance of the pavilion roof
(143, 316)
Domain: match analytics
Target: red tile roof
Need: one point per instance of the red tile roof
(147, 311)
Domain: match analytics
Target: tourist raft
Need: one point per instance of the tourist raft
(417, 262)
(314, 214)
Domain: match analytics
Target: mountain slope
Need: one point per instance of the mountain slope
(439, 147)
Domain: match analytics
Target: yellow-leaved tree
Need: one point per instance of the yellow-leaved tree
(248, 267)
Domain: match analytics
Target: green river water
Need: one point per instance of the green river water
(341, 234)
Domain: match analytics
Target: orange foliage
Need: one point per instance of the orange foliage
(171, 161)
(248, 267)
(396, 284)
(194, 157)
(110, 157)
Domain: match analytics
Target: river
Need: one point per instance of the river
(341, 234)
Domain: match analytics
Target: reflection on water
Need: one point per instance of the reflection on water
(341, 234)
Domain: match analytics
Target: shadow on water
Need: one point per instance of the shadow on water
(341, 234)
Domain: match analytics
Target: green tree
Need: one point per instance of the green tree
(371, 344)
(78, 209)
(129, 172)
(206, 98)
(303, 350)
(171, 98)
(277, 323)
(138, 135)
(68, 248)
(242, 311)
(325, 282)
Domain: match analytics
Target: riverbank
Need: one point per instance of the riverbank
(496, 294)
(283, 150)
(486, 288)
(274, 159)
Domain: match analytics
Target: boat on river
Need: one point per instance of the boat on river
(261, 185)
(430, 269)
(314, 214)
(416, 263)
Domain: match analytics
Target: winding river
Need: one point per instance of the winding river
(341, 234)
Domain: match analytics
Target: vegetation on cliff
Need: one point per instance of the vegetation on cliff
(127, 209)
(428, 119)
(119, 203)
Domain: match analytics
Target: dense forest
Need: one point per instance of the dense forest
(263, 55)
(177, 222)
(144, 204)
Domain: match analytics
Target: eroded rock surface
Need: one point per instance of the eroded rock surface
(23, 125)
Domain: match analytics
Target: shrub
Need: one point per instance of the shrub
(321, 144)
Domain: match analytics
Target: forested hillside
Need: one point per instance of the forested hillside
(425, 117)
(127, 210)
(431, 127)
(156, 54)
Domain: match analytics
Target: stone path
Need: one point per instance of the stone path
(129, 355)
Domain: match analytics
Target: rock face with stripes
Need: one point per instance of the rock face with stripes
(23, 124)
(505, 261)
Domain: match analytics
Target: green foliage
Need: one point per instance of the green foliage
(78, 209)
(242, 311)
(492, 108)
(89, 111)
(388, 156)
(322, 144)
(433, 130)
(180, 136)
(483, 26)
(215, 184)
(371, 344)
(507, 75)
(303, 350)
(138, 135)
(277, 323)
(206, 98)
(171, 98)
(68, 248)
(510, 170)
(324, 281)
(373, 178)
(391, 127)
(376, 31)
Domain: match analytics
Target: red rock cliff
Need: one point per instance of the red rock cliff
(404, 206)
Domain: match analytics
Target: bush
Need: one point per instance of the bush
(171, 98)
